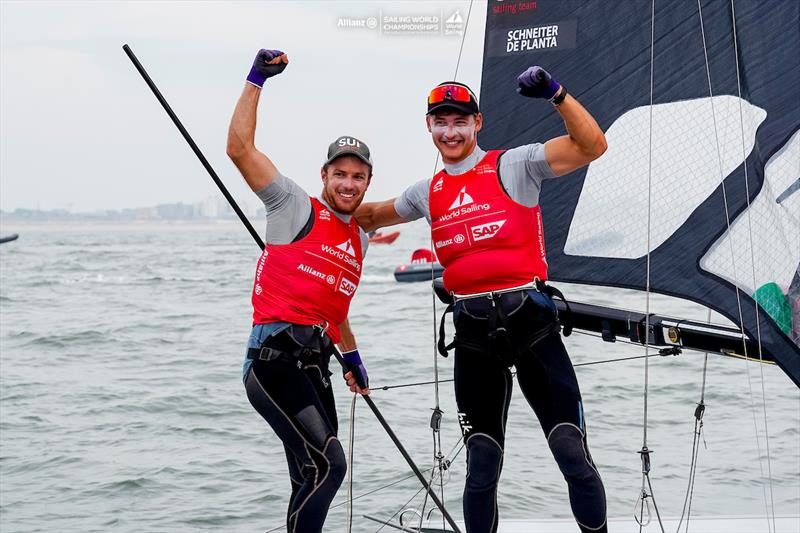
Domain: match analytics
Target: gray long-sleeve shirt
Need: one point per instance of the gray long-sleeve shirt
(288, 208)
(522, 171)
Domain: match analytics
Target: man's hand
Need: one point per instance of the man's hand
(536, 82)
(356, 375)
(267, 63)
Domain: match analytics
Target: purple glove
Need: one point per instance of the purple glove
(261, 70)
(355, 366)
(537, 83)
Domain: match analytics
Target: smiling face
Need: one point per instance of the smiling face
(345, 181)
(454, 134)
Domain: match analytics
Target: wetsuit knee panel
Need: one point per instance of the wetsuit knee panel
(328, 466)
(335, 455)
(484, 459)
(569, 450)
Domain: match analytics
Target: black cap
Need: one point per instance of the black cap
(467, 108)
(346, 145)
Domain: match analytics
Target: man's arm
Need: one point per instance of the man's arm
(374, 215)
(256, 168)
(347, 345)
(410, 205)
(585, 141)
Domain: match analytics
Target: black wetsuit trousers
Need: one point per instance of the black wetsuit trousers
(298, 404)
(483, 387)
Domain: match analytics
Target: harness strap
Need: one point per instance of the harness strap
(498, 324)
(440, 345)
(565, 318)
(283, 346)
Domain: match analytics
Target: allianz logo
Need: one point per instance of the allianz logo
(316, 273)
(458, 239)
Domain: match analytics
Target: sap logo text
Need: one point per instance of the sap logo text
(486, 231)
(347, 287)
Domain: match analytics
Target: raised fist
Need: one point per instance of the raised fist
(536, 82)
(267, 63)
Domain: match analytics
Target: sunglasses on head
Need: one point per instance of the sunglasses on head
(455, 93)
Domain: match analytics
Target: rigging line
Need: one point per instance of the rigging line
(430, 482)
(588, 363)
(398, 511)
(733, 256)
(649, 211)
(699, 435)
(644, 453)
(433, 472)
(388, 485)
(698, 428)
(350, 463)
(437, 412)
(463, 38)
(752, 259)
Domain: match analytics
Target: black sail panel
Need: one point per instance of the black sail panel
(721, 160)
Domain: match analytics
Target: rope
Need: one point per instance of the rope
(350, 447)
(436, 417)
(383, 487)
(644, 453)
(698, 429)
(752, 263)
(662, 353)
(733, 262)
(433, 470)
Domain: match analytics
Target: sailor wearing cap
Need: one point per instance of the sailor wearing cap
(304, 283)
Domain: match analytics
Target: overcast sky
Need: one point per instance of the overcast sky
(80, 130)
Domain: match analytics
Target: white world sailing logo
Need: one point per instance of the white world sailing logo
(347, 247)
(462, 199)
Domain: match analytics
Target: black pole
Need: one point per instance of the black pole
(192, 144)
(258, 240)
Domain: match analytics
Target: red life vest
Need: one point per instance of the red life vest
(312, 280)
(485, 240)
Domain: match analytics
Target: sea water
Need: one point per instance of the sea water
(122, 406)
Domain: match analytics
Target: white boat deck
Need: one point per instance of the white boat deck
(715, 524)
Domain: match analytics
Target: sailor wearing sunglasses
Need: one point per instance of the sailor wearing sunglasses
(488, 233)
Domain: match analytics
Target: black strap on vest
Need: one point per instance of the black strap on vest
(566, 317)
(499, 326)
(440, 346)
(307, 227)
(285, 346)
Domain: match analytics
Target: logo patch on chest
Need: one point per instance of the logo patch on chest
(462, 199)
(347, 287)
(486, 231)
(347, 247)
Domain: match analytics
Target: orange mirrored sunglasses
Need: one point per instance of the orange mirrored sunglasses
(448, 92)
